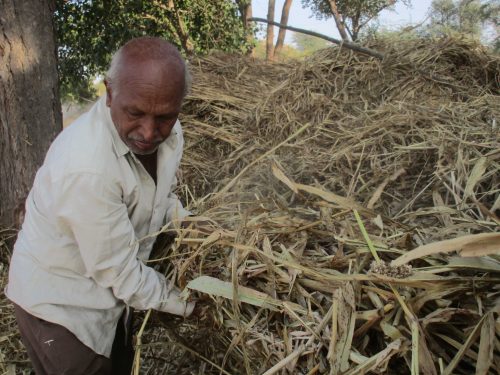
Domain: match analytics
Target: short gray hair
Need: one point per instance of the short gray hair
(147, 47)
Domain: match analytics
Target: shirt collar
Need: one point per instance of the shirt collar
(119, 146)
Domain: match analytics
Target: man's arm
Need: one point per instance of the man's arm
(94, 212)
(175, 210)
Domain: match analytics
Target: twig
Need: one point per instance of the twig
(137, 357)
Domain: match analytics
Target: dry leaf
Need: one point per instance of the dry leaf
(486, 346)
(483, 243)
(280, 175)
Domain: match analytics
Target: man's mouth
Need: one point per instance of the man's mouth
(145, 145)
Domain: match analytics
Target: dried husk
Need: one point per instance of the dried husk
(278, 157)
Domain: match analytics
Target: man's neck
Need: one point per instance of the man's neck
(149, 162)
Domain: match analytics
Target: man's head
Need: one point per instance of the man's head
(145, 86)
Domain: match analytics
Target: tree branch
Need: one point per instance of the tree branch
(349, 45)
(339, 19)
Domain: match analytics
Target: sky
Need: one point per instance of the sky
(302, 18)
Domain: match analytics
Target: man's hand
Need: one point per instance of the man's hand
(166, 318)
(197, 311)
(200, 311)
(190, 306)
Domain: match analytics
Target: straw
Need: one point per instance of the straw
(277, 158)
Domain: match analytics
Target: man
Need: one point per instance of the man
(106, 183)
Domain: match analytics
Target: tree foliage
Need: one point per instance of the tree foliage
(464, 17)
(308, 44)
(288, 52)
(303, 45)
(89, 31)
(350, 15)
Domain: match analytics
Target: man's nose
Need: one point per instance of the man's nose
(149, 130)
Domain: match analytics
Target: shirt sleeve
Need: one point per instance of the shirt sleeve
(175, 210)
(94, 212)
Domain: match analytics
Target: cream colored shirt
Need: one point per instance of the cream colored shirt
(78, 260)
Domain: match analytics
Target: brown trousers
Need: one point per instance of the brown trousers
(54, 350)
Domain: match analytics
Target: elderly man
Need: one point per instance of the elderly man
(106, 183)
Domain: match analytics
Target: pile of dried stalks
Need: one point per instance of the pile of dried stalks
(314, 176)
(12, 353)
(312, 172)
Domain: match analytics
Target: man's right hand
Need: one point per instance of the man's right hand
(195, 311)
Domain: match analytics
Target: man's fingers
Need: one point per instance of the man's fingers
(190, 306)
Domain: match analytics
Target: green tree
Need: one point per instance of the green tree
(350, 15)
(464, 17)
(308, 44)
(245, 9)
(89, 31)
(287, 53)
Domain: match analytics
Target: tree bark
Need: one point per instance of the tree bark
(284, 21)
(270, 32)
(245, 8)
(338, 20)
(356, 26)
(248, 29)
(30, 110)
(180, 29)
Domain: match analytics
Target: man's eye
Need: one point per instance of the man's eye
(134, 114)
(163, 119)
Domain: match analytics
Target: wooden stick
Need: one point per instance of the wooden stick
(352, 46)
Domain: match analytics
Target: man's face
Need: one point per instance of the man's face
(145, 104)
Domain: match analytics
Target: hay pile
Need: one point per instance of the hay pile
(313, 177)
(13, 356)
(282, 158)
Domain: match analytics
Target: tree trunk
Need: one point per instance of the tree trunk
(248, 30)
(338, 20)
(30, 111)
(284, 21)
(270, 32)
(245, 7)
(356, 26)
(180, 29)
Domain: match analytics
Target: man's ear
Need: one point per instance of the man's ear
(109, 93)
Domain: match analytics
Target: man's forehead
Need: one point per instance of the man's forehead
(156, 101)
(152, 72)
(155, 48)
(152, 66)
